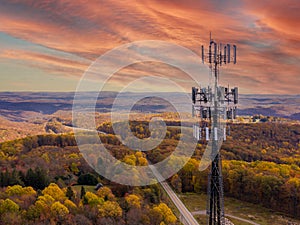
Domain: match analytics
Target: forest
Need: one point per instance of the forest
(261, 165)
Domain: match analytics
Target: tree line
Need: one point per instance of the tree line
(57, 205)
(275, 186)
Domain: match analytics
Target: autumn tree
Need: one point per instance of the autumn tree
(55, 192)
(92, 200)
(24, 196)
(72, 207)
(132, 209)
(105, 193)
(110, 209)
(9, 212)
(59, 211)
(162, 213)
(8, 206)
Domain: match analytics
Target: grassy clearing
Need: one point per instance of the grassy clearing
(77, 188)
(201, 219)
(252, 212)
(238, 222)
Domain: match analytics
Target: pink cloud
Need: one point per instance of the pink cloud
(266, 32)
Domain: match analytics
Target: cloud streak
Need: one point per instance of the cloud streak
(266, 32)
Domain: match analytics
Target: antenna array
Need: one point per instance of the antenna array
(212, 105)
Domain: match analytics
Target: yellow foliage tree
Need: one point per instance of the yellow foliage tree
(130, 159)
(70, 205)
(133, 201)
(166, 213)
(14, 190)
(59, 210)
(47, 199)
(54, 191)
(138, 154)
(142, 161)
(110, 209)
(8, 206)
(92, 199)
(294, 182)
(105, 193)
(19, 190)
(41, 206)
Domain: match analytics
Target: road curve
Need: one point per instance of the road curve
(185, 213)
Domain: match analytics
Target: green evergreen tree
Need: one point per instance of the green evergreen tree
(38, 179)
(70, 193)
(82, 192)
(87, 179)
(15, 178)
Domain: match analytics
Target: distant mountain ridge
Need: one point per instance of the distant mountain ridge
(17, 106)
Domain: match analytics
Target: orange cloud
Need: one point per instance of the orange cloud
(281, 15)
(53, 64)
(266, 32)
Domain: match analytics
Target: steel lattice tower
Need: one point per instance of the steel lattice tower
(216, 105)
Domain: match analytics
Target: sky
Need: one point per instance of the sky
(47, 45)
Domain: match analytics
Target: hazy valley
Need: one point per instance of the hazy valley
(30, 113)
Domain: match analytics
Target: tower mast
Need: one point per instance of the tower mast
(214, 105)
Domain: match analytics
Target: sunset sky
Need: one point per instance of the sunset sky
(46, 45)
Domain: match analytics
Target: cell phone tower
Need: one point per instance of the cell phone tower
(215, 105)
